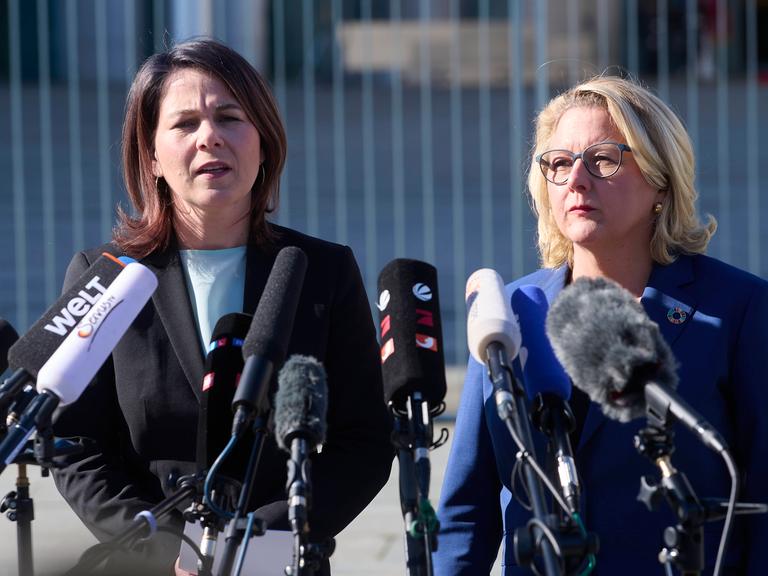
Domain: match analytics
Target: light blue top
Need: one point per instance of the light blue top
(215, 283)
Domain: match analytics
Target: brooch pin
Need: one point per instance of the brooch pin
(676, 315)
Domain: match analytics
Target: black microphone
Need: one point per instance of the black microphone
(8, 337)
(222, 373)
(413, 371)
(616, 354)
(266, 343)
(32, 350)
(412, 357)
(547, 386)
(301, 404)
(223, 367)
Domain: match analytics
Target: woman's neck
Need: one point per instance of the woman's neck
(211, 233)
(630, 269)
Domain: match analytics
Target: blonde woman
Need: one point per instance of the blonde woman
(612, 186)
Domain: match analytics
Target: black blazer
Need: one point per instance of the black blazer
(142, 408)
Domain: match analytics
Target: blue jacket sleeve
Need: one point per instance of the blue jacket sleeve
(750, 393)
(469, 510)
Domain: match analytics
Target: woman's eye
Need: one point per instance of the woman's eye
(184, 124)
(604, 160)
(558, 163)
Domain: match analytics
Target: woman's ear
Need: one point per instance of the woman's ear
(157, 171)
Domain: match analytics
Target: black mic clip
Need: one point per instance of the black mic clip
(683, 542)
(404, 429)
(550, 412)
(313, 554)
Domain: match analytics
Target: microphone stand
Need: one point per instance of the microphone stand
(18, 507)
(683, 542)
(237, 525)
(412, 437)
(512, 410)
(307, 556)
(552, 415)
(17, 504)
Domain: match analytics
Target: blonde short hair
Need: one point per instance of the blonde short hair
(660, 146)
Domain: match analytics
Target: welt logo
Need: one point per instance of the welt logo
(77, 307)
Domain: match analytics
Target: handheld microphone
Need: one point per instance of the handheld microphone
(548, 386)
(266, 343)
(412, 357)
(222, 374)
(223, 367)
(32, 350)
(494, 338)
(616, 354)
(8, 337)
(493, 334)
(413, 372)
(75, 362)
(301, 404)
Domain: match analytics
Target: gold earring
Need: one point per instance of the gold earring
(657, 208)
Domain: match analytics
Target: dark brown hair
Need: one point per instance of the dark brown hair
(151, 228)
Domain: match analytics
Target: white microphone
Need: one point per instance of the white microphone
(75, 362)
(493, 335)
(70, 369)
(489, 316)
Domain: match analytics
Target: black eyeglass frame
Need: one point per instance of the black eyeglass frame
(574, 156)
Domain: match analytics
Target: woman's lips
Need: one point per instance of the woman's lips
(213, 169)
(581, 209)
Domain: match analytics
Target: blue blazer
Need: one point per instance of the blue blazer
(721, 349)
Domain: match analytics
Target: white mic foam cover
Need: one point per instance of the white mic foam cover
(75, 362)
(489, 315)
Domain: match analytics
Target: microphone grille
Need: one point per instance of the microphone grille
(301, 401)
(609, 346)
(272, 322)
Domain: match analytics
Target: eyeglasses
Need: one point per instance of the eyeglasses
(602, 160)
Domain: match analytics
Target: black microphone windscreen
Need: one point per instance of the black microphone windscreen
(223, 366)
(301, 402)
(272, 322)
(46, 335)
(412, 357)
(608, 346)
(8, 337)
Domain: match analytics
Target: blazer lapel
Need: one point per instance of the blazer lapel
(664, 301)
(174, 308)
(666, 305)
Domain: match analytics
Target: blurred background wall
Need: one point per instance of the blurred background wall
(409, 121)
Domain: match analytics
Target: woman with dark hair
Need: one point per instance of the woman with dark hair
(203, 149)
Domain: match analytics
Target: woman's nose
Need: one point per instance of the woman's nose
(208, 135)
(579, 178)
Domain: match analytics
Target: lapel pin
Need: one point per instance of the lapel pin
(676, 315)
